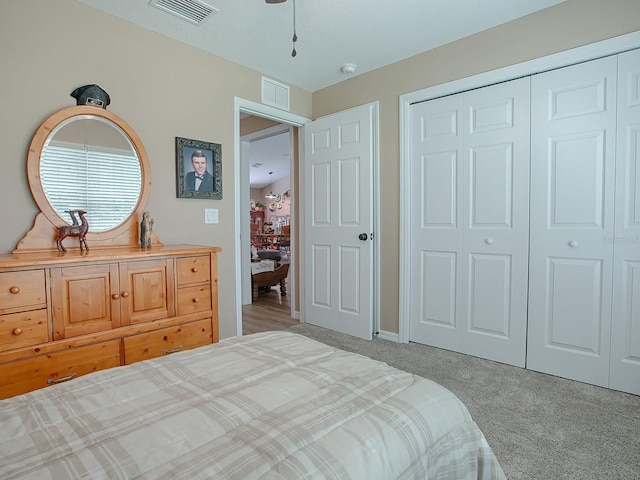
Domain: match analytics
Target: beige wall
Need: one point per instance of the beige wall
(162, 88)
(565, 26)
(165, 89)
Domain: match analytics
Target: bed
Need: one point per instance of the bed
(274, 405)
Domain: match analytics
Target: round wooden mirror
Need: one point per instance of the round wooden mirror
(87, 158)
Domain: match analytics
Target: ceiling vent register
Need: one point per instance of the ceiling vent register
(193, 11)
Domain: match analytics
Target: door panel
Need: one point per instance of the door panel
(84, 299)
(338, 188)
(146, 293)
(438, 272)
(490, 295)
(625, 328)
(439, 176)
(471, 176)
(491, 186)
(496, 222)
(436, 217)
(574, 326)
(321, 284)
(572, 185)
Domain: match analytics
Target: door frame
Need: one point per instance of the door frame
(562, 59)
(241, 105)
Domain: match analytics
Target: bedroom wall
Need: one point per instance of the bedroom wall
(161, 87)
(568, 25)
(164, 89)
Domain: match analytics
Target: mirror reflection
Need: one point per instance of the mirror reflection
(89, 163)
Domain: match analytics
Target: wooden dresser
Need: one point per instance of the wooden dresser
(62, 316)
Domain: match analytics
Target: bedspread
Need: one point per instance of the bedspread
(273, 405)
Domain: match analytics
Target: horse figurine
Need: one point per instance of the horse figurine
(79, 231)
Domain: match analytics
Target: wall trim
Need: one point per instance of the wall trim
(260, 110)
(391, 336)
(573, 56)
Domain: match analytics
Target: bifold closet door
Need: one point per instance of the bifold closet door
(470, 219)
(573, 132)
(625, 324)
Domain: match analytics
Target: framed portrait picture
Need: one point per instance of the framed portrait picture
(199, 169)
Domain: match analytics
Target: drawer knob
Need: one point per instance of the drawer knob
(115, 296)
(195, 300)
(125, 294)
(194, 269)
(15, 290)
(17, 331)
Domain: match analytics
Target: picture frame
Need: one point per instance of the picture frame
(197, 156)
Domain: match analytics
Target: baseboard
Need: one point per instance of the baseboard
(391, 336)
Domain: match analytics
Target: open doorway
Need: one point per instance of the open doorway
(266, 156)
(266, 285)
(276, 123)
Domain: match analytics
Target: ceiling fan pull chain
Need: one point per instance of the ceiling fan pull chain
(295, 37)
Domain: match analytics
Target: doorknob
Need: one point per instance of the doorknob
(363, 236)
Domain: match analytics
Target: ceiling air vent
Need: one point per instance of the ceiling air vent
(193, 11)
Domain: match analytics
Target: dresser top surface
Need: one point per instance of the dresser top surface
(115, 254)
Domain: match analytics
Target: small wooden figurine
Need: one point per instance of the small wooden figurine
(79, 231)
(146, 227)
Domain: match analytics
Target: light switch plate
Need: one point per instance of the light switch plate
(210, 215)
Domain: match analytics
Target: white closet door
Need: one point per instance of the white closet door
(572, 214)
(625, 328)
(436, 219)
(469, 214)
(493, 303)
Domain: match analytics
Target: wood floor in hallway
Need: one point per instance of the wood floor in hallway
(266, 314)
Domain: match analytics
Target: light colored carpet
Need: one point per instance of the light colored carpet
(539, 426)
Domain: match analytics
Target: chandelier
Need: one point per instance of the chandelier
(271, 194)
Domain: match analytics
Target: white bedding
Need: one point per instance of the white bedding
(273, 405)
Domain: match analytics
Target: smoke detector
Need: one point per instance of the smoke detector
(348, 68)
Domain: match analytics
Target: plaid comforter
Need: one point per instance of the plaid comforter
(266, 406)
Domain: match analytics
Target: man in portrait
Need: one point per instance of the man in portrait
(199, 180)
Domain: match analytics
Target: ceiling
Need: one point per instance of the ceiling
(274, 155)
(367, 33)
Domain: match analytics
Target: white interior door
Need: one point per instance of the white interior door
(469, 215)
(625, 326)
(572, 214)
(338, 221)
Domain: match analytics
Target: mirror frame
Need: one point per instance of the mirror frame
(42, 235)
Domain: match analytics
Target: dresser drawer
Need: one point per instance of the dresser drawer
(42, 370)
(23, 329)
(24, 289)
(194, 299)
(193, 270)
(167, 340)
